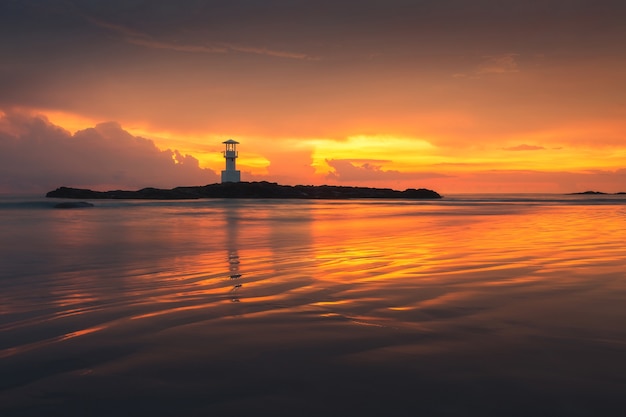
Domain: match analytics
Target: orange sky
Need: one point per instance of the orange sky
(444, 95)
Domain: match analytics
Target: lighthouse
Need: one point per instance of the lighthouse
(230, 174)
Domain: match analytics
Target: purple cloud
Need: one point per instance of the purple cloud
(36, 156)
(347, 170)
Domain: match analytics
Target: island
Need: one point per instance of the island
(597, 193)
(261, 189)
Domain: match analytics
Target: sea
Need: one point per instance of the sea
(472, 305)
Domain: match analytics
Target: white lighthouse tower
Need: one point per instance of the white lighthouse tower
(230, 174)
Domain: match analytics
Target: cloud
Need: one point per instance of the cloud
(37, 156)
(345, 170)
(119, 29)
(138, 38)
(491, 64)
(270, 52)
(524, 147)
(154, 44)
(498, 64)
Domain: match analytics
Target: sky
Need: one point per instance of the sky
(458, 96)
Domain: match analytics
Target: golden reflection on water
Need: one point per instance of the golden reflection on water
(240, 301)
(408, 261)
(379, 264)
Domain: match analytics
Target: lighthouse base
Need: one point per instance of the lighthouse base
(231, 176)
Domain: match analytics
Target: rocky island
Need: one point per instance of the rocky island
(261, 189)
(597, 193)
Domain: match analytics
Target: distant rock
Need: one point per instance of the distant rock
(597, 193)
(589, 193)
(73, 204)
(261, 189)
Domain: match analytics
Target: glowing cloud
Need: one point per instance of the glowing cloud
(524, 147)
(406, 154)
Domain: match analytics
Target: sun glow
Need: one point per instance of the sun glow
(374, 159)
(69, 121)
(401, 153)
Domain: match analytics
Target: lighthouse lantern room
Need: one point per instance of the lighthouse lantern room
(230, 174)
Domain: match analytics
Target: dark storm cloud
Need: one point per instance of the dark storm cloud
(36, 156)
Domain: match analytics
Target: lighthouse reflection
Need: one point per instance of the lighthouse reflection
(233, 264)
(232, 245)
(257, 238)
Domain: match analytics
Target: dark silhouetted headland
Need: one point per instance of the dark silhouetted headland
(247, 190)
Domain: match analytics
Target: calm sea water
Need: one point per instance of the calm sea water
(469, 306)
